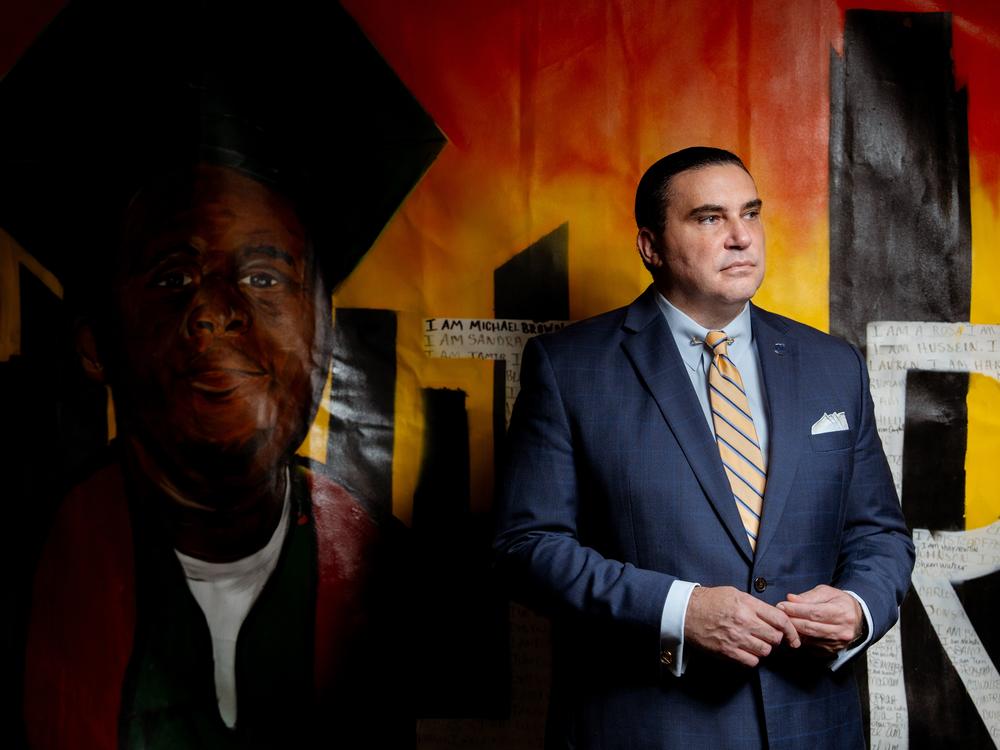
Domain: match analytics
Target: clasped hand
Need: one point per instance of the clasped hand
(736, 625)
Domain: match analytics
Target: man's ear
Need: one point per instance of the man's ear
(649, 249)
(86, 348)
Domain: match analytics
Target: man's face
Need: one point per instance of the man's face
(220, 327)
(710, 258)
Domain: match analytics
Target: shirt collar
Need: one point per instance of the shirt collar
(684, 330)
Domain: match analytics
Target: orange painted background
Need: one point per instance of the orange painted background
(552, 111)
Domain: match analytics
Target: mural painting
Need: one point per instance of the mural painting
(455, 178)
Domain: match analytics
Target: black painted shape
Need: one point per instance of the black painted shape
(50, 435)
(940, 711)
(363, 403)
(900, 245)
(113, 92)
(461, 628)
(533, 285)
(66, 409)
(442, 495)
(934, 443)
(900, 249)
(979, 598)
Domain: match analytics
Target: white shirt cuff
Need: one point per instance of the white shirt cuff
(846, 654)
(672, 626)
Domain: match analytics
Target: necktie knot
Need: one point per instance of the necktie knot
(718, 343)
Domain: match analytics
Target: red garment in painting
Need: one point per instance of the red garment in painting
(83, 620)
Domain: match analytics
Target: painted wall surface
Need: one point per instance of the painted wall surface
(873, 132)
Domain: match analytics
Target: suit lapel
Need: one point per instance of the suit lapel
(658, 363)
(779, 363)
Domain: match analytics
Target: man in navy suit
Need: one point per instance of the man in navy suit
(707, 587)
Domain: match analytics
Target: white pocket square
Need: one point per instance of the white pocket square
(830, 423)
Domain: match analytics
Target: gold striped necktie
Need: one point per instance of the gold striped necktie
(735, 434)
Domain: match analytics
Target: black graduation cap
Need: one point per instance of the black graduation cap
(114, 93)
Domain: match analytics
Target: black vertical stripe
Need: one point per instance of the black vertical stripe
(533, 285)
(441, 499)
(900, 249)
(900, 245)
(934, 450)
(363, 403)
(461, 628)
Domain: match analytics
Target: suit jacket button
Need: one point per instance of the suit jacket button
(759, 584)
(667, 657)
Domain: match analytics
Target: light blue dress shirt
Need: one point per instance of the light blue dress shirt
(689, 337)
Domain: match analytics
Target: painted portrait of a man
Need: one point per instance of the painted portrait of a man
(201, 516)
(201, 582)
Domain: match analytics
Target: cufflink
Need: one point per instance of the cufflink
(667, 657)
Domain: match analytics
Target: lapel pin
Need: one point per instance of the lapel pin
(779, 349)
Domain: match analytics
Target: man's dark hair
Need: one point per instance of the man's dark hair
(654, 187)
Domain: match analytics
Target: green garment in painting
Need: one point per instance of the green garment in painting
(170, 684)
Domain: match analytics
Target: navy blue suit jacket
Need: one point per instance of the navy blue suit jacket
(613, 487)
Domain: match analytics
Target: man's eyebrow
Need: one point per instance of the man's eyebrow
(707, 208)
(162, 254)
(269, 251)
(715, 208)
